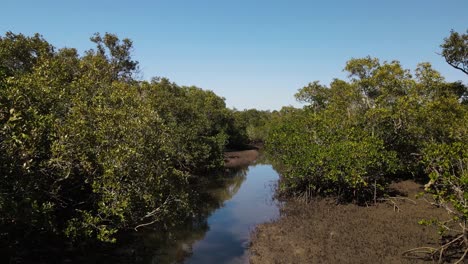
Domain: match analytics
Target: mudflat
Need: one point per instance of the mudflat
(323, 232)
(243, 158)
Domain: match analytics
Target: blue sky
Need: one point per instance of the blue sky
(256, 54)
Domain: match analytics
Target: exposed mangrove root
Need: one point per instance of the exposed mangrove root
(396, 208)
(439, 254)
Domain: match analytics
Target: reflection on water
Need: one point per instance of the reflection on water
(230, 226)
(243, 200)
(225, 211)
(177, 245)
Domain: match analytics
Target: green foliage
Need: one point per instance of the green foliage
(455, 50)
(115, 53)
(324, 155)
(253, 124)
(315, 95)
(446, 165)
(21, 53)
(86, 150)
(199, 123)
(354, 137)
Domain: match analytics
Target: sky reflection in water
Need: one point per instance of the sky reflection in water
(230, 226)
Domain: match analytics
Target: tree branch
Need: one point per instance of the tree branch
(456, 67)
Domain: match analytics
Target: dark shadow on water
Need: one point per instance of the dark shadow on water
(223, 207)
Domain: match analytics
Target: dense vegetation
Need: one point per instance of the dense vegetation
(385, 122)
(252, 125)
(354, 136)
(87, 149)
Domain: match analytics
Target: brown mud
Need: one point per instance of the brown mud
(243, 158)
(323, 232)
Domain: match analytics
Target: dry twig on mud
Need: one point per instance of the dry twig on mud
(396, 208)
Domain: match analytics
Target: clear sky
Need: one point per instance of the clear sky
(256, 54)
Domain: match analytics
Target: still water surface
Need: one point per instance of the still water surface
(230, 226)
(230, 209)
(226, 208)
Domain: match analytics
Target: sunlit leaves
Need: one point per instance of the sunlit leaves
(353, 137)
(87, 150)
(455, 50)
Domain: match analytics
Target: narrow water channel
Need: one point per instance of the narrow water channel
(226, 208)
(246, 200)
(230, 226)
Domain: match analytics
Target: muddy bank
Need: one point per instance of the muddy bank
(243, 158)
(322, 232)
